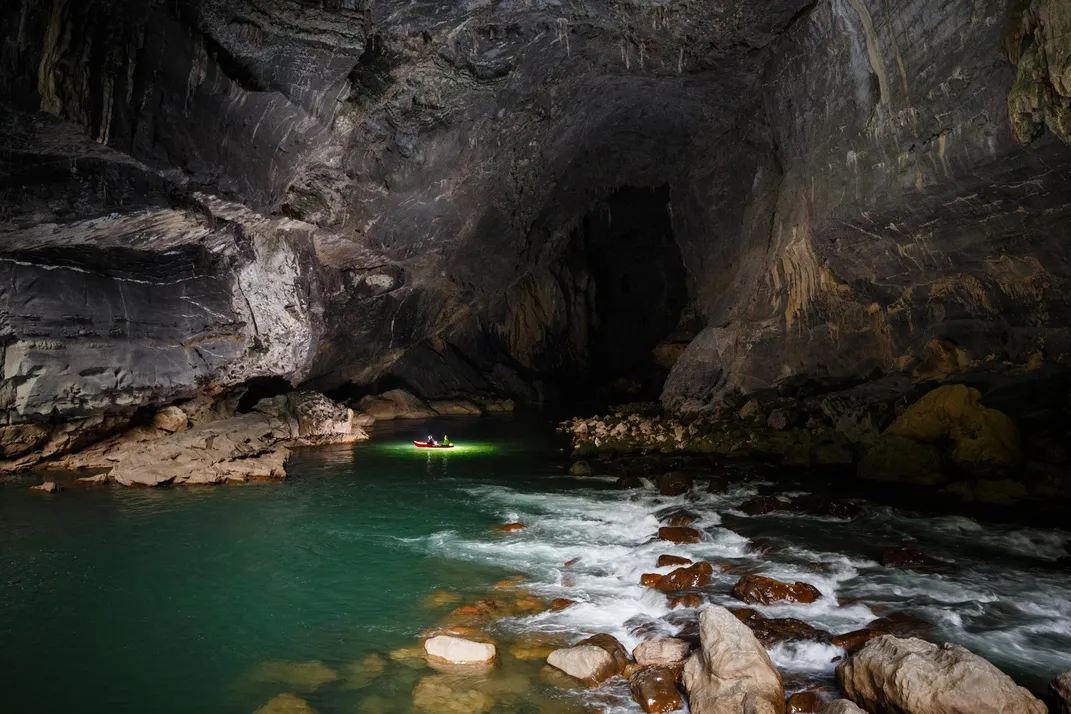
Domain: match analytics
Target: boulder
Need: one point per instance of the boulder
(897, 459)
(717, 484)
(455, 407)
(170, 419)
(759, 589)
(841, 706)
(612, 647)
(395, 404)
(679, 534)
(650, 580)
(982, 439)
(286, 703)
(694, 576)
(761, 505)
(681, 519)
(900, 624)
(655, 690)
(689, 600)
(512, 527)
(298, 676)
(674, 483)
(629, 482)
(445, 694)
(772, 631)
(667, 561)
(46, 487)
(663, 652)
(890, 674)
(560, 603)
(731, 672)
(1060, 692)
(778, 419)
(581, 468)
(455, 650)
(588, 663)
(907, 557)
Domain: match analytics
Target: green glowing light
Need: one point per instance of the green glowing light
(460, 449)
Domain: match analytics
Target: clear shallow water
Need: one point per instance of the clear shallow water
(173, 600)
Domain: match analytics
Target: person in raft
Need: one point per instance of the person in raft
(446, 440)
(431, 441)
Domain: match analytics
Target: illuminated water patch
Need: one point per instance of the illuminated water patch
(466, 448)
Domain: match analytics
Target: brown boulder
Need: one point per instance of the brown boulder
(907, 557)
(759, 589)
(761, 505)
(512, 527)
(655, 689)
(900, 624)
(695, 576)
(170, 419)
(681, 519)
(558, 604)
(772, 631)
(717, 484)
(666, 561)
(897, 459)
(674, 483)
(650, 580)
(689, 600)
(629, 482)
(678, 534)
(581, 468)
(664, 652)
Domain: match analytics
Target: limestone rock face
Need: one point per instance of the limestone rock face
(170, 419)
(731, 672)
(253, 446)
(916, 677)
(455, 650)
(396, 404)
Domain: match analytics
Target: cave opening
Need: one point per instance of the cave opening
(259, 388)
(639, 292)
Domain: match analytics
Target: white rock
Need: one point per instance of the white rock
(455, 650)
(47, 487)
(918, 677)
(666, 651)
(731, 672)
(586, 662)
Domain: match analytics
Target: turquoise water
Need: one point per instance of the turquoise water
(139, 600)
(217, 599)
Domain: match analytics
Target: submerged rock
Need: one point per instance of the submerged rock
(299, 676)
(688, 600)
(759, 589)
(804, 703)
(908, 557)
(771, 631)
(731, 673)
(443, 694)
(668, 561)
(655, 690)
(46, 487)
(900, 624)
(286, 704)
(917, 677)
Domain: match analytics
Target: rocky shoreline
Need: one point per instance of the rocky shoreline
(207, 440)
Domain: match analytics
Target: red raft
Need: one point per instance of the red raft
(426, 445)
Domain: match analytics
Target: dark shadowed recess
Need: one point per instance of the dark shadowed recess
(628, 249)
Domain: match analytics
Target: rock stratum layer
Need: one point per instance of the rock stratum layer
(519, 199)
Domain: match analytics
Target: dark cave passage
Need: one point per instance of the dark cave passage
(629, 251)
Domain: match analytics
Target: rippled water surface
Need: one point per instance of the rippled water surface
(203, 599)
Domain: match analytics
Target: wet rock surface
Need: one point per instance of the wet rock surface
(915, 676)
(758, 589)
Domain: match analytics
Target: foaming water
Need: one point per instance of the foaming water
(334, 569)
